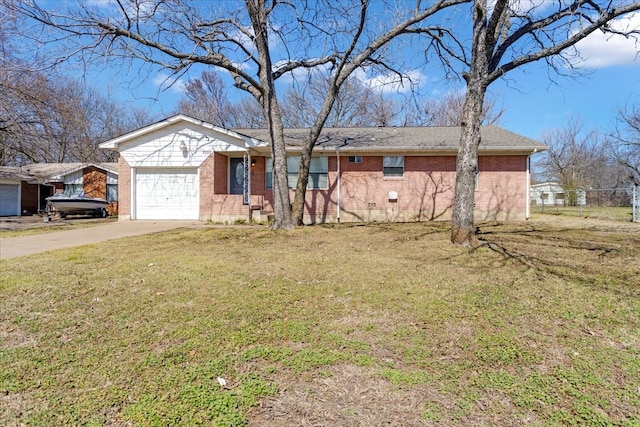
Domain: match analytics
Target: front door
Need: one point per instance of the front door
(236, 175)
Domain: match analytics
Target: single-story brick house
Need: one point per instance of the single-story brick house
(23, 189)
(183, 168)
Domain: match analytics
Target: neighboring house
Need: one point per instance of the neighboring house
(554, 194)
(23, 190)
(19, 195)
(183, 168)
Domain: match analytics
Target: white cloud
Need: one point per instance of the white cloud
(600, 50)
(141, 10)
(143, 7)
(300, 74)
(522, 6)
(165, 81)
(245, 66)
(99, 3)
(392, 83)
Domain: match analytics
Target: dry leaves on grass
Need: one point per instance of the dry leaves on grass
(345, 395)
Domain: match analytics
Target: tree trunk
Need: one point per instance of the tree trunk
(307, 149)
(463, 231)
(301, 186)
(268, 100)
(462, 225)
(280, 188)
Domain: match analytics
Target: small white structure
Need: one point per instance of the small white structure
(553, 194)
(547, 194)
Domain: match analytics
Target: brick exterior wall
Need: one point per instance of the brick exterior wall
(29, 198)
(424, 192)
(207, 186)
(502, 188)
(215, 203)
(124, 190)
(220, 167)
(94, 182)
(261, 196)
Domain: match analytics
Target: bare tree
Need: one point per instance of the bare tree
(14, 84)
(238, 37)
(447, 111)
(247, 113)
(356, 104)
(206, 98)
(507, 35)
(177, 34)
(364, 46)
(577, 158)
(47, 118)
(627, 143)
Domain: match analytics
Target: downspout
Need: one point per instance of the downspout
(527, 213)
(338, 184)
(248, 168)
(133, 198)
(339, 173)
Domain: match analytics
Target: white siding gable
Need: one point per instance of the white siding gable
(73, 177)
(163, 147)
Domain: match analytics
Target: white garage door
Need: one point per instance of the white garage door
(167, 194)
(9, 199)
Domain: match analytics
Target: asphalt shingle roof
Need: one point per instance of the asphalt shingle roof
(38, 172)
(402, 138)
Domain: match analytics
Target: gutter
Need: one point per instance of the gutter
(527, 209)
(424, 150)
(338, 177)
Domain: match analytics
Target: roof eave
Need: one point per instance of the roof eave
(424, 150)
(113, 144)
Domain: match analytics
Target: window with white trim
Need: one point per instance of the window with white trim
(112, 192)
(393, 166)
(355, 159)
(318, 172)
(112, 187)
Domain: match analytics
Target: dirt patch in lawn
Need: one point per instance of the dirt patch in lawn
(345, 396)
(38, 222)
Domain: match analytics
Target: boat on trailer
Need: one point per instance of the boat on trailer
(77, 204)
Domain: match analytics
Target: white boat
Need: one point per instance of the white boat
(76, 204)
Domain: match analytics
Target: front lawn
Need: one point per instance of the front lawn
(385, 324)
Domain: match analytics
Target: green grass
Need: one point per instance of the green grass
(612, 213)
(542, 327)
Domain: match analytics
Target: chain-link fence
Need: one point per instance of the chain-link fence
(636, 204)
(620, 204)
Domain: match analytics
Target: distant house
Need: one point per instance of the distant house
(183, 168)
(23, 190)
(554, 194)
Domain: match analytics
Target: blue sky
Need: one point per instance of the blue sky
(536, 105)
(534, 99)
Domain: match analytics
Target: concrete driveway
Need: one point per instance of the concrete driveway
(12, 247)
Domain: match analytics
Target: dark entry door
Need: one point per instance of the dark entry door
(236, 175)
